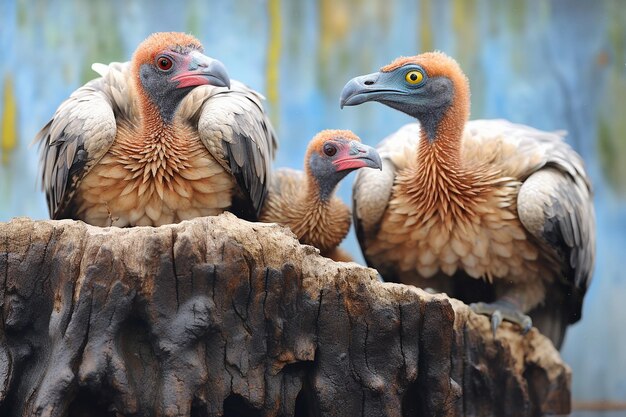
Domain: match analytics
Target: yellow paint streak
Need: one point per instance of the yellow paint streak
(465, 20)
(335, 18)
(425, 40)
(272, 70)
(464, 23)
(8, 138)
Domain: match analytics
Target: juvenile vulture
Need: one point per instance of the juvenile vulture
(164, 138)
(488, 211)
(305, 201)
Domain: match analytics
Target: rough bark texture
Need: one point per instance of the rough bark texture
(221, 317)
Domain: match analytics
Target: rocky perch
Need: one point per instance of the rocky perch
(222, 317)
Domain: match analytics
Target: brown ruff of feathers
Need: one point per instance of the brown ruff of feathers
(447, 202)
(169, 166)
(440, 183)
(486, 199)
(323, 224)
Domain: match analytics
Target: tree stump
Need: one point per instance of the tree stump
(223, 317)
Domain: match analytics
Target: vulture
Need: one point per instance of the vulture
(305, 201)
(497, 214)
(160, 139)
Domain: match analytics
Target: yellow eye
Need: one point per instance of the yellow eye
(414, 77)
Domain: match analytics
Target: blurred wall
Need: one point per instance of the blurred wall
(556, 64)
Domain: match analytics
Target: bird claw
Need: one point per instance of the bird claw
(500, 311)
(496, 320)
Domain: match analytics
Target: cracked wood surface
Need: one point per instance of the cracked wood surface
(222, 317)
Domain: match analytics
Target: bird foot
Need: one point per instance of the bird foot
(503, 310)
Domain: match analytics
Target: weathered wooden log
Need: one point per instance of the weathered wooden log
(222, 317)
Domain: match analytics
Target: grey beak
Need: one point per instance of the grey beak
(217, 72)
(367, 154)
(211, 69)
(355, 91)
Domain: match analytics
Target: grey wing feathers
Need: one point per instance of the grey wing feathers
(537, 148)
(555, 205)
(78, 135)
(236, 130)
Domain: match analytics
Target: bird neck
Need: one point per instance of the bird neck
(321, 222)
(444, 148)
(441, 184)
(153, 128)
(315, 194)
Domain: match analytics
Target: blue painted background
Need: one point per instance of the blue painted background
(551, 64)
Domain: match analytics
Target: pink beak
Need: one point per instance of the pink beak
(358, 155)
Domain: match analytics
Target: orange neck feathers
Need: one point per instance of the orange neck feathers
(449, 132)
(152, 126)
(441, 184)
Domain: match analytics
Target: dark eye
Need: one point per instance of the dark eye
(164, 63)
(330, 150)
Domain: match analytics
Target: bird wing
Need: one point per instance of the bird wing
(236, 130)
(372, 188)
(555, 199)
(80, 133)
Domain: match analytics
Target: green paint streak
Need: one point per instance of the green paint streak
(272, 69)
(193, 17)
(98, 34)
(8, 129)
(425, 40)
(612, 133)
(297, 19)
(22, 13)
(516, 15)
(617, 33)
(516, 18)
(545, 11)
(612, 123)
(384, 11)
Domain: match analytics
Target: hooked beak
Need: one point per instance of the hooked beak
(367, 88)
(202, 70)
(358, 155)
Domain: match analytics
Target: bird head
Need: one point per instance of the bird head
(168, 65)
(333, 154)
(426, 86)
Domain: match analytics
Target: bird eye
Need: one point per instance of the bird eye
(330, 150)
(414, 77)
(164, 63)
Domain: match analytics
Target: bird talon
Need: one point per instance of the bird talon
(526, 324)
(502, 311)
(496, 320)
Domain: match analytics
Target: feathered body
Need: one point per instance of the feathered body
(112, 155)
(305, 201)
(294, 202)
(506, 204)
